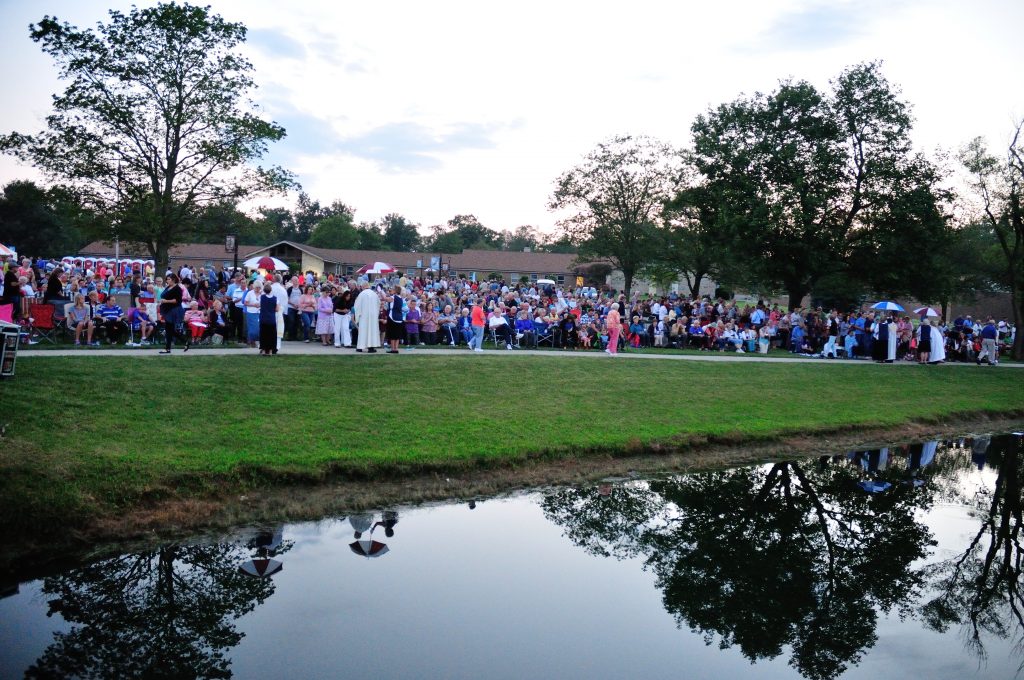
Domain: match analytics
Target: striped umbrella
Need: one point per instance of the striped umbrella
(926, 311)
(887, 306)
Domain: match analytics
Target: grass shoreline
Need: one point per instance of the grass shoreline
(100, 450)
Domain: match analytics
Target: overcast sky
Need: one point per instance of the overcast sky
(433, 109)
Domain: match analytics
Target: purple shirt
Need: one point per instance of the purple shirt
(411, 319)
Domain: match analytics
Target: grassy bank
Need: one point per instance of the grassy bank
(92, 437)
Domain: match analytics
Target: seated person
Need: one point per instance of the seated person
(141, 323)
(466, 326)
(497, 322)
(447, 323)
(195, 320)
(728, 338)
(219, 322)
(525, 329)
(586, 335)
(111, 317)
(568, 330)
(80, 320)
(636, 332)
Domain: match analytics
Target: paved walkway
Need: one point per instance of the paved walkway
(316, 349)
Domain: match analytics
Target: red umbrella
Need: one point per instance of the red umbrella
(261, 567)
(368, 548)
(376, 268)
(266, 263)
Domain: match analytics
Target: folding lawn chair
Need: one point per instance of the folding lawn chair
(41, 321)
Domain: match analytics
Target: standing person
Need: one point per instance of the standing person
(395, 328)
(892, 335)
(613, 322)
(924, 341)
(236, 291)
(477, 318)
(413, 322)
(938, 354)
(988, 344)
(307, 312)
(281, 293)
(170, 309)
(325, 317)
(343, 317)
(830, 351)
(251, 301)
(880, 337)
(367, 308)
(269, 311)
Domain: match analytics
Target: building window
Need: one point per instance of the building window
(534, 277)
(513, 277)
(349, 270)
(560, 279)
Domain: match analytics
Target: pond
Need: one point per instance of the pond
(870, 564)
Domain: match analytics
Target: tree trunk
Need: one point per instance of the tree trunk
(796, 295)
(627, 275)
(698, 278)
(162, 258)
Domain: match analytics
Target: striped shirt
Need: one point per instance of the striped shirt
(110, 312)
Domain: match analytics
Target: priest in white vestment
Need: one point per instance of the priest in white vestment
(366, 319)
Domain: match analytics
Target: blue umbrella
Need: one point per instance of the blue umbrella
(887, 306)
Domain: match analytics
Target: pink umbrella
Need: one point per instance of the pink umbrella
(376, 268)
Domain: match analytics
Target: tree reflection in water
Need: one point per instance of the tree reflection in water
(166, 613)
(788, 554)
(979, 588)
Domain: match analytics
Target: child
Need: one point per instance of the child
(141, 323)
(850, 343)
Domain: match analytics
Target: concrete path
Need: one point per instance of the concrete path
(316, 349)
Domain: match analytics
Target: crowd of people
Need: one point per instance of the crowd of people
(265, 308)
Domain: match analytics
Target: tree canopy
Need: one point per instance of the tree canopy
(999, 186)
(808, 182)
(155, 121)
(616, 196)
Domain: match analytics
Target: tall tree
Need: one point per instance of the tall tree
(336, 231)
(692, 238)
(155, 121)
(1000, 188)
(400, 234)
(618, 193)
(799, 173)
(40, 222)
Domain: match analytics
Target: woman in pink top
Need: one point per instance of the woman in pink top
(614, 324)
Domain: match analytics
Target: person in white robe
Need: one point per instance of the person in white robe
(367, 313)
(938, 345)
(890, 355)
(281, 293)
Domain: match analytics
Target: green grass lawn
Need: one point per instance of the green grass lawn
(98, 435)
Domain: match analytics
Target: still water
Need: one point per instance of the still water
(889, 563)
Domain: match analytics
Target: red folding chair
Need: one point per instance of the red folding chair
(41, 321)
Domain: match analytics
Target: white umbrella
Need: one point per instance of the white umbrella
(926, 311)
(254, 263)
(545, 282)
(887, 306)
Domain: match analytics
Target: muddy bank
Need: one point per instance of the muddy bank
(292, 500)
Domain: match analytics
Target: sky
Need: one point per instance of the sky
(443, 108)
